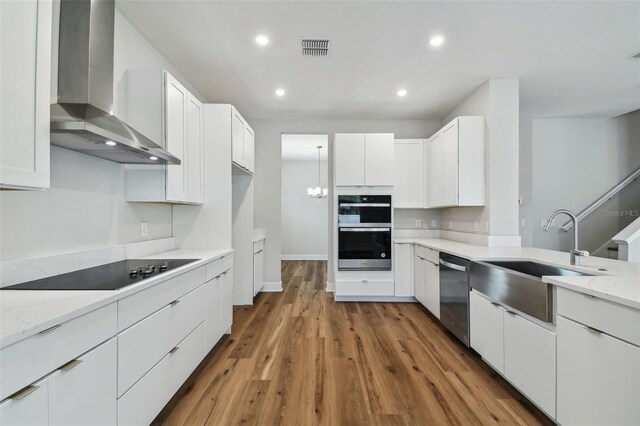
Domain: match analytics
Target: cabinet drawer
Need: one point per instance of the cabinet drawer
(218, 266)
(257, 246)
(618, 320)
(486, 331)
(143, 345)
(134, 308)
(85, 393)
(431, 255)
(27, 361)
(419, 251)
(365, 288)
(30, 410)
(530, 360)
(141, 404)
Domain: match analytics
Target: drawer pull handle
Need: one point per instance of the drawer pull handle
(24, 392)
(495, 304)
(71, 364)
(175, 302)
(172, 351)
(593, 330)
(511, 313)
(50, 329)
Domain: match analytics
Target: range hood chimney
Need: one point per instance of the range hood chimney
(82, 120)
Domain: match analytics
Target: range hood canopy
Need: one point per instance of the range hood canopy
(83, 119)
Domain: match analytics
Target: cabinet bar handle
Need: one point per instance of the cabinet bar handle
(511, 313)
(24, 392)
(68, 366)
(175, 302)
(172, 351)
(50, 329)
(593, 330)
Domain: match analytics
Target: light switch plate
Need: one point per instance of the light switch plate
(418, 223)
(434, 223)
(144, 229)
(475, 226)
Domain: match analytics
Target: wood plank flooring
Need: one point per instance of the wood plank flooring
(299, 358)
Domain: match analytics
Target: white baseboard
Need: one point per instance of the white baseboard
(304, 257)
(407, 299)
(330, 287)
(272, 287)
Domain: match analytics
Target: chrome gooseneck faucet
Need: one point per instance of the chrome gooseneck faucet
(575, 252)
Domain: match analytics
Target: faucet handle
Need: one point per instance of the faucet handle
(578, 252)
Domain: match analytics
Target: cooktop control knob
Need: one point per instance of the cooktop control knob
(133, 272)
(147, 271)
(164, 266)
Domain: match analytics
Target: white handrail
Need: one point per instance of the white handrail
(600, 201)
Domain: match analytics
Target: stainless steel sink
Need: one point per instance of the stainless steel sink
(518, 284)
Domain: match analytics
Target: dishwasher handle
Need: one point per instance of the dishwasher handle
(453, 266)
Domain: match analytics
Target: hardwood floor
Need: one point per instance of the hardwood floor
(299, 358)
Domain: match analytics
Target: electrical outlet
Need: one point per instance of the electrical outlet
(434, 224)
(144, 229)
(418, 223)
(475, 226)
(523, 223)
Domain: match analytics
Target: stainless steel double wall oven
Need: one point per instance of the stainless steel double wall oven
(364, 232)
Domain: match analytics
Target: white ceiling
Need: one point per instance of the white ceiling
(574, 59)
(304, 147)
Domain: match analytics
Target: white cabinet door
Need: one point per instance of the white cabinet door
(83, 391)
(378, 159)
(487, 330)
(248, 143)
(25, 77)
(436, 160)
(349, 159)
(449, 140)
(194, 159)
(258, 271)
(29, 407)
(226, 308)
(408, 176)
(403, 269)
(530, 360)
(419, 280)
(598, 377)
(213, 324)
(237, 138)
(176, 133)
(432, 288)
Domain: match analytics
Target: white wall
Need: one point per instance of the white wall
(498, 101)
(305, 232)
(406, 218)
(85, 206)
(268, 172)
(573, 162)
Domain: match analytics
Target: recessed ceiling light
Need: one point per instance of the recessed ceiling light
(262, 39)
(110, 143)
(436, 41)
(153, 158)
(280, 92)
(402, 93)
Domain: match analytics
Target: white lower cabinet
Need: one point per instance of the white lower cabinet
(598, 377)
(226, 310)
(403, 270)
(28, 408)
(487, 329)
(521, 350)
(258, 266)
(141, 403)
(419, 280)
(213, 323)
(83, 392)
(530, 360)
(432, 287)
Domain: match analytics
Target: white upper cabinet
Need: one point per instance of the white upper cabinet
(455, 160)
(25, 79)
(242, 142)
(364, 159)
(408, 179)
(162, 109)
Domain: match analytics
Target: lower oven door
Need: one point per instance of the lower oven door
(364, 249)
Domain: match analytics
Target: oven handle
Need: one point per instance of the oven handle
(453, 266)
(364, 225)
(365, 205)
(365, 229)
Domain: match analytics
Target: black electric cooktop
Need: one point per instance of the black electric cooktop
(111, 276)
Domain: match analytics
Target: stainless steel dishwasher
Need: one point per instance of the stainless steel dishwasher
(454, 295)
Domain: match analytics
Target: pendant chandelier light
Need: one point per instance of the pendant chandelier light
(318, 191)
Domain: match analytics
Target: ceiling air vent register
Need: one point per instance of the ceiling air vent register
(315, 47)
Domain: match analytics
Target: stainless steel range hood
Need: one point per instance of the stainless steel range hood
(83, 119)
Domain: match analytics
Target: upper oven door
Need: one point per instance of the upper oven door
(364, 210)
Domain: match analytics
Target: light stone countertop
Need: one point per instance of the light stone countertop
(24, 313)
(619, 282)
